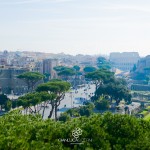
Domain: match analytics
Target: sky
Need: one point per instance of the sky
(75, 26)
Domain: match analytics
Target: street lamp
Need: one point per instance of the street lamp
(71, 99)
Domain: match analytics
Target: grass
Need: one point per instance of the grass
(147, 117)
(144, 112)
(148, 107)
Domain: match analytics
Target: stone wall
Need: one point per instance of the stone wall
(139, 87)
(9, 81)
(142, 64)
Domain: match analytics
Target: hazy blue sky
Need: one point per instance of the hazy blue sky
(75, 26)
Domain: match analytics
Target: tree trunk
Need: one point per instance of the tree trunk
(51, 112)
(43, 111)
(96, 87)
(111, 98)
(32, 86)
(56, 112)
(35, 109)
(26, 110)
(28, 86)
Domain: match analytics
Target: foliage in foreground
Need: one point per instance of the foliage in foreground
(117, 132)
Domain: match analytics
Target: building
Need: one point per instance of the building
(140, 87)
(143, 65)
(4, 58)
(26, 62)
(141, 71)
(9, 82)
(124, 61)
(38, 67)
(48, 65)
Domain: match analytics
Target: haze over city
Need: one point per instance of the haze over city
(75, 74)
(75, 26)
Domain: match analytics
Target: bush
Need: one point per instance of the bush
(102, 104)
(64, 117)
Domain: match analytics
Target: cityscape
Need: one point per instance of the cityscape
(62, 87)
(74, 75)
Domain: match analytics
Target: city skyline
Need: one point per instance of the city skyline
(75, 27)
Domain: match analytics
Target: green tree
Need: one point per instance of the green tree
(5, 102)
(107, 132)
(31, 78)
(66, 73)
(32, 102)
(46, 98)
(14, 104)
(73, 112)
(86, 110)
(8, 105)
(29, 100)
(99, 77)
(88, 69)
(102, 104)
(59, 88)
(47, 77)
(116, 89)
(77, 68)
(59, 68)
(64, 117)
(103, 63)
(76, 80)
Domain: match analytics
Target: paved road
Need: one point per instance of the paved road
(73, 99)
